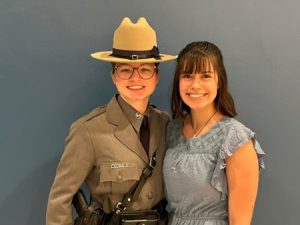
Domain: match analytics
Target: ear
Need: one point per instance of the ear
(113, 77)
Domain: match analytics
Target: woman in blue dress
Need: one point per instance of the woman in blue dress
(211, 167)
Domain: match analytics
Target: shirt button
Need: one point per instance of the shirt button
(119, 177)
(150, 195)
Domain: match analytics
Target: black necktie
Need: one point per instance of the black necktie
(145, 134)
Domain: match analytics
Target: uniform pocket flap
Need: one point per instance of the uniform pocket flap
(119, 172)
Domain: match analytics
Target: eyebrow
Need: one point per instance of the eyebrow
(210, 72)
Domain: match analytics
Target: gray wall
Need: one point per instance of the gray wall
(47, 80)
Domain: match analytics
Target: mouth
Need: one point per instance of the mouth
(136, 87)
(192, 95)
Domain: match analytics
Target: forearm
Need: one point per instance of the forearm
(241, 208)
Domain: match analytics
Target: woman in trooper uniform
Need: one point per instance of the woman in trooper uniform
(106, 148)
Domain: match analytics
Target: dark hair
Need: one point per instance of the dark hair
(194, 58)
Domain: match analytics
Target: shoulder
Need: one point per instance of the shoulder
(174, 130)
(236, 134)
(162, 114)
(231, 125)
(95, 113)
(175, 124)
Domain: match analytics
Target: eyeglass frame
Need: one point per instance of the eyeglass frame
(134, 68)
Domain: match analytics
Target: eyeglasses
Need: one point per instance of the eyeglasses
(125, 72)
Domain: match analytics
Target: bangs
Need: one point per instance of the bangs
(195, 63)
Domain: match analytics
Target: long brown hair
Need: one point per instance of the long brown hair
(192, 59)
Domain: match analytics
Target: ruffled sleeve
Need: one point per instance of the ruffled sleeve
(235, 136)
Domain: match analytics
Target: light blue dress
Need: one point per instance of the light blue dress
(194, 171)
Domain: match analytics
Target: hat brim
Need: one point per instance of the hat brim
(106, 56)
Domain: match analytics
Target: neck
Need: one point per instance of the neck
(138, 105)
(200, 117)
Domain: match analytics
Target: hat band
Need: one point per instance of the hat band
(135, 55)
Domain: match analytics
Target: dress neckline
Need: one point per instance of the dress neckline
(202, 135)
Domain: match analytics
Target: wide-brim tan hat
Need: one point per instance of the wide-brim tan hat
(134, 43)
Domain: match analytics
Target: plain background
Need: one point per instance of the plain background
(48, 79)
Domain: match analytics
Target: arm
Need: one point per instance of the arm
(242, 175)
(71, 172)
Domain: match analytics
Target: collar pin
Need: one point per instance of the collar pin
(138, 115)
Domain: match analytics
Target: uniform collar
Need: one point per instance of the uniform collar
(135, 118)
(127, 134)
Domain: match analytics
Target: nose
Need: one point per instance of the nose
(135, 74)
(196, 82)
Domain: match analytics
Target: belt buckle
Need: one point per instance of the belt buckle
(134, 57)
(152, 162)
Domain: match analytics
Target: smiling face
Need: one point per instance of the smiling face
(206, 84)
(198, 88)
(135, 89)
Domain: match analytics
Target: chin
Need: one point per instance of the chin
(196, 106)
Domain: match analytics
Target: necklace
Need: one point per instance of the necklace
(199, 131)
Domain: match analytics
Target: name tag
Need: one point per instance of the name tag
(118, 165)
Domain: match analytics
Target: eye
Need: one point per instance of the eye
(146, 69)
(186, 75)
(206, 75)
(124, 69)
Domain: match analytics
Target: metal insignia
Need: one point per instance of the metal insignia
(138, 115)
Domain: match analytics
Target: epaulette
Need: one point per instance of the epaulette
(154, 106)
(99, 110)
(163, 113)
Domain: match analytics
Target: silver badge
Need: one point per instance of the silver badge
(138, 115)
